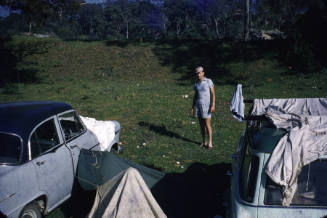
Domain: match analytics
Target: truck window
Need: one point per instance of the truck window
(248, 175)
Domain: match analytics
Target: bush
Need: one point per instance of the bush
(308, 45)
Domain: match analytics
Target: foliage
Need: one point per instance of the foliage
(38, 11)
(146, 20)
(13, 24)
(308, 46)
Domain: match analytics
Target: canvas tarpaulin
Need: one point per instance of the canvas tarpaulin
(96, 167)
(197, 192)
(121, 190)
(306, 123)
(298, 106)
(125, 195)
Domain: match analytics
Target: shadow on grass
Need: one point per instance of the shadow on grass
(162, 130)
(216, 57)
(199, 192)
(80, 203)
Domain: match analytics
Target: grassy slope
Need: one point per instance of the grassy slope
(141, 86)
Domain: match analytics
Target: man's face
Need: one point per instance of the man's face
(200, 75)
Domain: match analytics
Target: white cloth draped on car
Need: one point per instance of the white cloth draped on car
(305, 141)
(104, 131)
(236, 105)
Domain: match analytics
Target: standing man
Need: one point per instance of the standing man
(203, 105)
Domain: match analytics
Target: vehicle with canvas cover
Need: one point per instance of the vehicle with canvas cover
(280, 165)
(40, 144)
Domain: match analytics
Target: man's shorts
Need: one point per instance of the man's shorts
(202, 111)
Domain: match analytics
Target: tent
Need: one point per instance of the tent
(125, 195)
(198, 192)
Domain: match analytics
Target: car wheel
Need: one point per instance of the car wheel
(31, 210)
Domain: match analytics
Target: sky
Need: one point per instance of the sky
(4, 11)
(95, 1)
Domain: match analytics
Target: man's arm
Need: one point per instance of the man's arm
(213, 98)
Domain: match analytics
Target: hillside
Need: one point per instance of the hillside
(142, 85)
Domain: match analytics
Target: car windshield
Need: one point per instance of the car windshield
(10, 148)
(310, 191)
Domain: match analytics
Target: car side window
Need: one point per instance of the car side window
(10, 148)
(71, 125)
(44, 138)
(310, 187)
(248, 176)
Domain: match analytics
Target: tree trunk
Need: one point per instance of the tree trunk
(127, 29)
(246, 20)
(178, 28)
(216, 27)
(30, 28)
(60, 14)
(164, 21)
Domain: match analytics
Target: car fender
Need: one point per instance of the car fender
(20, 188)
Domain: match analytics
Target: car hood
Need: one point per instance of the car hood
(117, 125)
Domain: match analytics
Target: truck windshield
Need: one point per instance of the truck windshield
(10, 148)
(311, 187)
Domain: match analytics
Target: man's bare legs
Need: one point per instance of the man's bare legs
(203, 131)
(205, 125)
(209, 131)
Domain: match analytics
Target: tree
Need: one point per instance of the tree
(181, 17)
(246, 20)
(91, 18)
(280, 14)
(38, 11)
(119, 13)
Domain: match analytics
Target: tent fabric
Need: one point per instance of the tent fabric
(96, 167)
(236, 105)
(194, 193)
(299, 106)
(125, 195)
(306, 123)
(104, 131)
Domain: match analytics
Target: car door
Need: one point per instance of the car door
(310, 198)
(52, 161)
(76, 135)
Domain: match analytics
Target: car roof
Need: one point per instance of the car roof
(21, 117)
(264, 139)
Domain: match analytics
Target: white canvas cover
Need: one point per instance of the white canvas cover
(125, 196)
(305, 141)
(104, 131)
(298, 106)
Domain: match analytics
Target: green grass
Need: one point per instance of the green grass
(141, 86)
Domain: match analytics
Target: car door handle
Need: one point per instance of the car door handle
(39, 163)
(73, 146)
